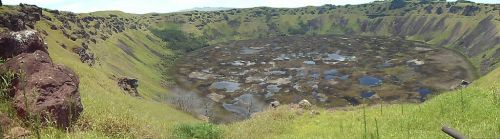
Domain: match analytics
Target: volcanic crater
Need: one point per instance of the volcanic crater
(243, 77)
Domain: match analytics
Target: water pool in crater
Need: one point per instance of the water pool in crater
(329, 71)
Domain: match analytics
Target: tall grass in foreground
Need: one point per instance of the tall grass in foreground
(197, 131)
(5, 86)
(473, 111)
(364, 123)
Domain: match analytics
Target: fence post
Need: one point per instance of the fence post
(453, 133)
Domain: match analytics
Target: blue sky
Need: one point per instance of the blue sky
(164, 6)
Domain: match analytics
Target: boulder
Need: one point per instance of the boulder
(15, 43)
(34, 13)
(44, 89)
(129, 85)
(464, 84)
(85, 55)
(305, 104)
(275, 104)
(53, 27)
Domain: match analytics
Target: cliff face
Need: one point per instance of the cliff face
(470, 28)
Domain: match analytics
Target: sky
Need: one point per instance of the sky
(165, 6)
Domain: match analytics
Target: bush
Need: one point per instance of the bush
(395, 4)
(180, 41)
(302, 29)
(197, 131)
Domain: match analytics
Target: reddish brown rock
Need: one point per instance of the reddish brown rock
(15, 43)
(129, 85)
(5, 121)
(44, 89)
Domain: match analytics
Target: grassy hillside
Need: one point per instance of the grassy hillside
(109, 112)
(471, 28)
(473, 111)
(126, 45)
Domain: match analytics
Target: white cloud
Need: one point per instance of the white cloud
(163, 6)
(37, 2)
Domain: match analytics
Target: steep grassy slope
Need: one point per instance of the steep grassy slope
(473, 111)
(120, 51)
(470, 28)
(108, 109)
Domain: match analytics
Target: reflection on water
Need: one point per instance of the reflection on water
(370, 81)
(367, 94)
(423, 93)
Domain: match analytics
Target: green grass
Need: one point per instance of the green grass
(109, 111)
(197, 131)
(473, 111)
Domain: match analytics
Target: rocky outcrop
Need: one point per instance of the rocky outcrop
(305, 104)
(41, 89)
(85, 55)
(129, 85)
(15, 43)
(80, 27)
(21, 18)
(275, 104)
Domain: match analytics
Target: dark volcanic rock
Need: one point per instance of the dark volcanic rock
(40, 87)
(85, 55)
(56, 12)
(130, 85)
(455, 9)
(14, 43)
(17, 20)
(44, 89)
(34, 13)
(53, 27)
(470, 10)
(439, 10)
